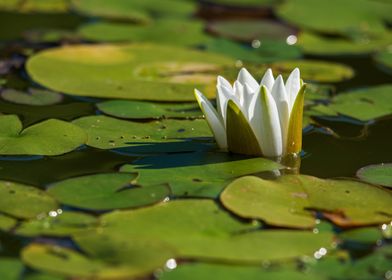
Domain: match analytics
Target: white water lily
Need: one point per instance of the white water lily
(257, 118)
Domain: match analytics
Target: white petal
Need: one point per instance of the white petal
(282, 103)
(222, 81)
(293, 85)
(224, 94)
(268, 80)
(239, 93)
(248, 95)
(214, 120)
(244, 77)
(255, 116)
(271, 141)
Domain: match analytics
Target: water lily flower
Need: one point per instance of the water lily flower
(257, 118)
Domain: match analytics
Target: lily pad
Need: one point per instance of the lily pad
(192, 32)
(137, 71)
(10, 269)
(196, 174)
(107, 191)
(106, 259)
(367, 235)
(57, 223)
(141, 11)
(357, 17)
(268, 51)
(128, 109)
(50, 137)
(384, 59)
(42, 276)
(364, 104)
(35, 202)
(33, 97)
(199, 229)
(315, 70)
(288, 201)
(134, 137)
(197, 271)
(249, 30)
(318, 45)
(43, 6)
(7, 223)
(380, 174)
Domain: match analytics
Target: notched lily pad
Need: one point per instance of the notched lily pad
(290, 201)
(358, 16)
(249, 30)
(128, 109)
(35, 201)
(7, 223)
(140, 11)
(200, 229)
(10, 268)
(384, 59)
(314, 70)
(318, 45)
(380, 174)
(50, 137)
(192, 32)
(144, 138)
(106, 258)
(363, 104)
(197, 271)
(34, 97)
(137, 71)
(196, 174)
(107, 191)
(57, 223)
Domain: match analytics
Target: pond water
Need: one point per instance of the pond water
(108, 169)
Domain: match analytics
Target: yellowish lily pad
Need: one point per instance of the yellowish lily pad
(138, 71)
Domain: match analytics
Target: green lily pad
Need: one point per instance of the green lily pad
(153, 137)
(57, 224)
(106, 259)
(128, 109)
(318, 45)
(33, 97)
(380, 174)
(191, 31)
(7, 223)
(137, 71)
(42, 276)
(364, 104)
(50, 137)
(199, 229)
(249, 30)
(35, 202)
(384, 59)
(245, 3)
(196, 174)
(141, 11)
(107, 191)
(357, 17)
(10, 269)
(288, 201)
(373, 266)
(197, 271)
(363, 235)
(315, 70)
(268, 51)
(43, 6)
(22, 23)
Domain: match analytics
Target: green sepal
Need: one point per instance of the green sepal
(294, 135)
(240, 136)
